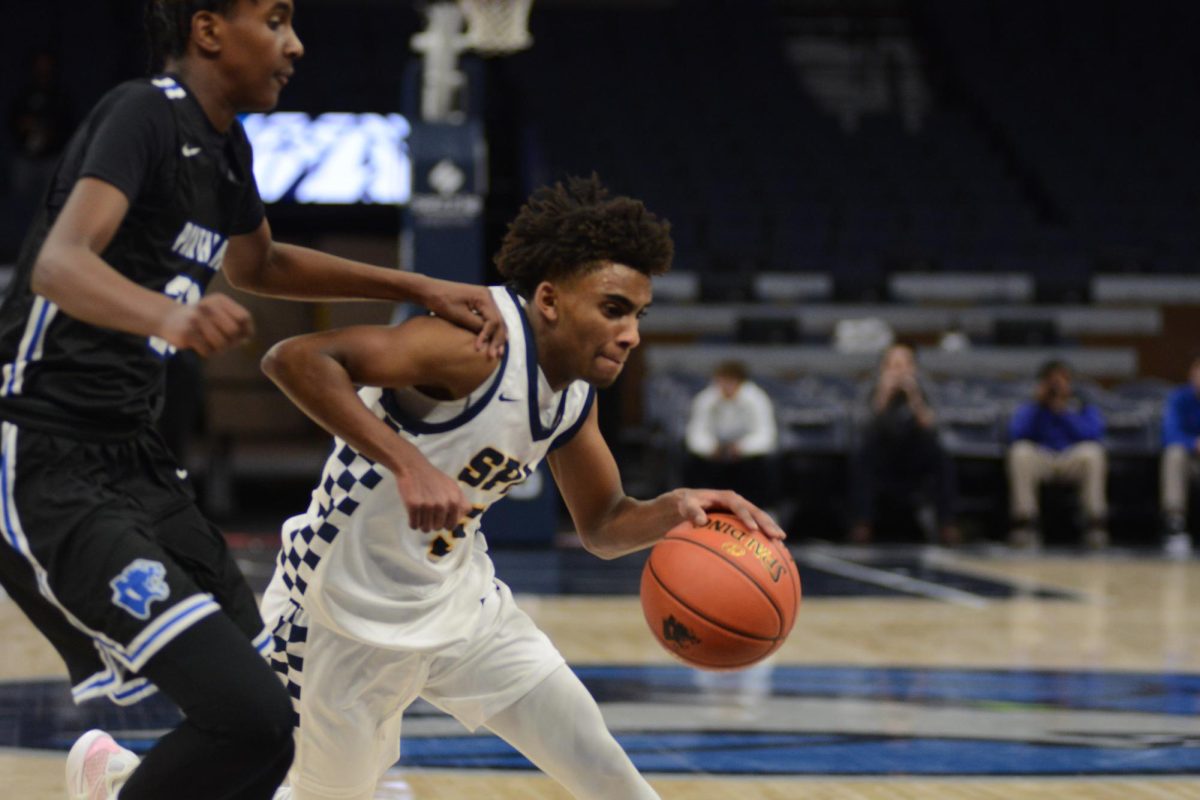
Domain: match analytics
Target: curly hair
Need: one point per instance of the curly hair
(169, 26)
(572, 229)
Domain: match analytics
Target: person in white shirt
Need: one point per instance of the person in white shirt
(731, 436)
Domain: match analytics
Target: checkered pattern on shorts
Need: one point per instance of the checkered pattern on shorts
(287, 658)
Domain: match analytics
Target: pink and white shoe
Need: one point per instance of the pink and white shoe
(97, 767)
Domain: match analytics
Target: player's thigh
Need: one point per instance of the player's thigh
(201, 550)
(76, 648)
(90, 546)
(508, 656)
(350, 697)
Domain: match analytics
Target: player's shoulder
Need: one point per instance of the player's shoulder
(160, 90)
(444, 353)
(136, 100)
(438, 337)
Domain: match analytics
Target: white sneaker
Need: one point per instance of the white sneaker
(1178, 545)
(97, 767)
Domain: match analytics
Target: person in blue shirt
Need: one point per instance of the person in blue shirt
(1056, 437)
(1181, 447)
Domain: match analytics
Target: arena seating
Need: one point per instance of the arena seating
(701, 114)
(819, 416)
(1117, 163)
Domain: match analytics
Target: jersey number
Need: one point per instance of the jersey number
(444, 542)
(185, 291)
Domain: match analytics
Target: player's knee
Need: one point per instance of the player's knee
(273, 723)
(261, 719)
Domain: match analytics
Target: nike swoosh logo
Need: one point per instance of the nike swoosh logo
(181, 474)
(189, 151)
(504, 399)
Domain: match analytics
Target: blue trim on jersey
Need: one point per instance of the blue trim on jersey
(9, 533)
(164, 629)
(388, 400)
(126, 694)
(263, 642)
(23, 357)
(95, 684)
(536, 429)
(570, 432)
(135, 691)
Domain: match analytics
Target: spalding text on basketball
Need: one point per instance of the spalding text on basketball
(755, 547)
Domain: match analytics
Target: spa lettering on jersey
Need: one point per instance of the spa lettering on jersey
(490, 468)
(197, 243)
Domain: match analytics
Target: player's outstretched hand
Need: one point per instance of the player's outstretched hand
(695, 503)
(470, 307)
(213, 324)
(434, 500)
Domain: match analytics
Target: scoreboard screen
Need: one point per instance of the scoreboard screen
(336, 158)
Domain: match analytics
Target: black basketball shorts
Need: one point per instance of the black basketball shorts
(103, 548)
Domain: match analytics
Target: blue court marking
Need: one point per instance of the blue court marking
(1146, 692)
(1144, 723)
(798, 754)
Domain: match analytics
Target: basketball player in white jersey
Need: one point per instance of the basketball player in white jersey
(378, 599)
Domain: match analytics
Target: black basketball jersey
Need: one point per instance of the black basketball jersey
(190, 188)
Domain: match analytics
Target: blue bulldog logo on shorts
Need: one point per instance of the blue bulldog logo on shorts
(139, 585)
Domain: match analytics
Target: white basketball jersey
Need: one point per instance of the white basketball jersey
(352, 561)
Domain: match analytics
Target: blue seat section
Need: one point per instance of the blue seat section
(1057, 140)
(822, 413)
(695, 108)
(820, 418)
(1093, 103)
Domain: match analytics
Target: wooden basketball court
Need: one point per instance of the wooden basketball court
(919, 674)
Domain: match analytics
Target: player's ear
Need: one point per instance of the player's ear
(545, 299)
(206, 32)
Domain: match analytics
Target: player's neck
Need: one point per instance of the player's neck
(547, 355)
(206, 86)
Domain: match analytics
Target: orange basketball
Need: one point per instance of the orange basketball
(720, 596)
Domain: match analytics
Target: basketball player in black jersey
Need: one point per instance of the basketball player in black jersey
(101, 543)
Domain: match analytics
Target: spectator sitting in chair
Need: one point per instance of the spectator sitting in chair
(1181, 447)
(731, 435)
(900, 459)
(1056, 437)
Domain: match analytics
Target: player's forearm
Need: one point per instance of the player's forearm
(632, 525)
(300, 273)
(86, 288)
(320, 387)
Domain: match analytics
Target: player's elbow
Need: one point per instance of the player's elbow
(243, 274)
(49, 273)
(601, 544)
(279, 363)
(250, 269)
